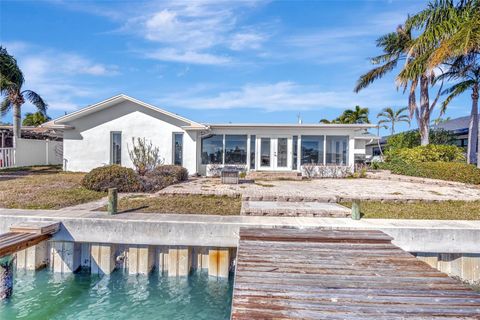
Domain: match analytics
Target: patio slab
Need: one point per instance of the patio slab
(294, 209)
(330, 190)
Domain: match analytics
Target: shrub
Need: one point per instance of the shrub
(428, 153)
(411, 139)
(450, 171)
(145, 156)
(112, 176)
(163, 176)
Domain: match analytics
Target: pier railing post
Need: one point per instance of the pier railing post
(356, 209)
(6, 277)
(112, 200)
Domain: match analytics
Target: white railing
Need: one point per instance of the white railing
(7, 157)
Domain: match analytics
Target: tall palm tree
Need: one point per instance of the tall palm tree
(396, 48)
(11, 83)
(392, 116)
(466, 72)
(357, 115)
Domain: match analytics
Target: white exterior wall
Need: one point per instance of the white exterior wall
(30, 152)
(88, 145)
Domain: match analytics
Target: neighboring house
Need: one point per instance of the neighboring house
(102, 134)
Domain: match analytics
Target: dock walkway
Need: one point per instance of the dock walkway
(340, 274)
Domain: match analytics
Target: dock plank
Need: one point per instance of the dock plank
(340, 274)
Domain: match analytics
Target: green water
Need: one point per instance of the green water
(46, 295)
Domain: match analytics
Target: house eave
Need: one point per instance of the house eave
(291, 126)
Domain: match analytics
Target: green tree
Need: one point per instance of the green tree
(391, 116)
(11, 83)
(35, 119)
(396, 47)
(350, 116)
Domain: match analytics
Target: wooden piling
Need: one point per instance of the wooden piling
(112, 200)
(356, 209)
(6, 277)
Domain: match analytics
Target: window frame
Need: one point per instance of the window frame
(174, 149)
(112, 153)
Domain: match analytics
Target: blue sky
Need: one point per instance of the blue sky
(210, 61)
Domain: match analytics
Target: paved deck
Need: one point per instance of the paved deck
(335, 274)
(330, 190)
(294, 209)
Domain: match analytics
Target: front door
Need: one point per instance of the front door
(274, 153)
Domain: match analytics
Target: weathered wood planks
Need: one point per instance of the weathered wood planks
(340, 274)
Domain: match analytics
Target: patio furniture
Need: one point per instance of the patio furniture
(230, 175)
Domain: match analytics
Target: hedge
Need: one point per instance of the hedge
(428, 153)
(112, 176)
(163, 176)
(449, 171)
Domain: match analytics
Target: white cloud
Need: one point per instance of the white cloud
(170, 54)
(282, 96)
(61, 78)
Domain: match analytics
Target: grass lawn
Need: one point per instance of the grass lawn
(444, 210)
(42, 187)
(185, 204)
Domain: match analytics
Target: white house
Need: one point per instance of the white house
(102, 134)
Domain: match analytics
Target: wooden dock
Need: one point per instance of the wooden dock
(340, 274)
(26, 235)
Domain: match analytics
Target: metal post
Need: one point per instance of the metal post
(356, 209)
(112, 200)
(6, 277)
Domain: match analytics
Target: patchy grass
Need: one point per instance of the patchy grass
(184, 204)
(265, 185)
(442, 210)
(43, 187)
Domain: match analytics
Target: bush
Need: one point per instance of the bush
(163, 176)
(428, 153)
(112, 176)
(145, 156)
(450, 171)
(411, 139)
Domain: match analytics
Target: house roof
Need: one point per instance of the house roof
(457, 125)
(62, 122)
(292, 125)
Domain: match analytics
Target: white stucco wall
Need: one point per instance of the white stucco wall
(88, 145)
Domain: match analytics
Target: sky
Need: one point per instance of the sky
(210, 61)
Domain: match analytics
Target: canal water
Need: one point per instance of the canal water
(46, 295)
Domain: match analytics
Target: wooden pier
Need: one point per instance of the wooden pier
(26, 235)
(340, 274)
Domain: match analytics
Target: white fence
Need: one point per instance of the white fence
(29, 152)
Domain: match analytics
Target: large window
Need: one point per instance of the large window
(312, 149)
(212, 149)
(178, 149)
(294, 152)
(235, 149)
(115, 147)
(252, 151)
(337, 150)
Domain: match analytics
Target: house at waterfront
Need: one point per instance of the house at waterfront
(102, 133)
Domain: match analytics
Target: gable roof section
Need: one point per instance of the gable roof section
(61, 123)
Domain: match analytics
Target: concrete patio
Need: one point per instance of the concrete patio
(330, 190)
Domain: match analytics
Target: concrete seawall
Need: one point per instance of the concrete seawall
(426, 237)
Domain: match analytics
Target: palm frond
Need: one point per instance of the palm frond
(5, 106)
(374, 74)
(453, 92)
(36, 100)
(9, 70)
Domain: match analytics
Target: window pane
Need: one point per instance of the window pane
(178, 149)
(294, 152)
(312, 149)
(116, 148)
(212, 149)
(235, 149)
(265, 152)
(337, 147)
(252, 151)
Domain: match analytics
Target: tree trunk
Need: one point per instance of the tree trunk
(17, 117)
(424, 114)
(473, 129)
(6, 277)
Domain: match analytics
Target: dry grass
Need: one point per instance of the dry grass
(43, 187)
(184, 204)
(443, 210)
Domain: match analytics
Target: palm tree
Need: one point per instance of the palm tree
(392, 116)
(11, 82)
(35, 119)
(357, 115)
(326, 121)
(396, 47)
(466, 72)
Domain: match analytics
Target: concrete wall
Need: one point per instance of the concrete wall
(88, 145)
(29, 152)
